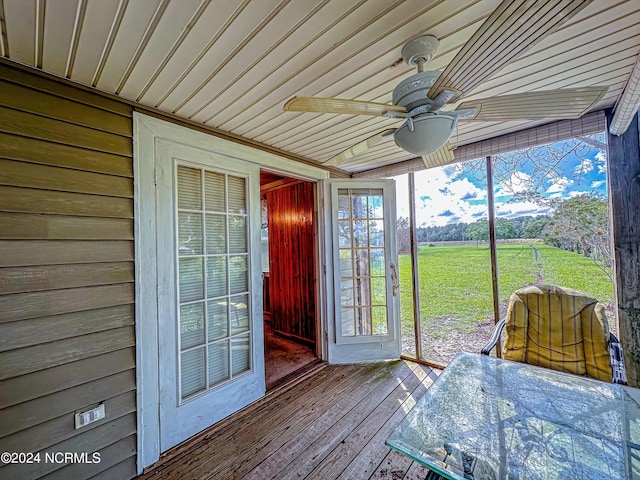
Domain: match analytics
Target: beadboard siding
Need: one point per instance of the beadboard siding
(67, 336)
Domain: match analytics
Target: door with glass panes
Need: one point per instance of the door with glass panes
(365, 271)
(209, 295)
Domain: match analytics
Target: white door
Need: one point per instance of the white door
(210, 331)
(365, 271)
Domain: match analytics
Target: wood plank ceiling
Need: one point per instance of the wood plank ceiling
(232, 65)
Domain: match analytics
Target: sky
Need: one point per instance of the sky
(446, 195)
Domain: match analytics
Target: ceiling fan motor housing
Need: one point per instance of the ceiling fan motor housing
(412, 91)
(425, 133)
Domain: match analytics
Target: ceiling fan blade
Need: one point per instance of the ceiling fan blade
(360, 147)
(339, 105)
(553, 104)
(441, 157)
(511, 29)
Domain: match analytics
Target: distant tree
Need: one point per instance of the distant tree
(404, 238)
(535, 228)
(505, 228)
(580, 224)
(523, 226)
(478, 230)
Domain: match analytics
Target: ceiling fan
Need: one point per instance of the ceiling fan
(425, 101)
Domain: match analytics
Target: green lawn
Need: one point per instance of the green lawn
(455, 281)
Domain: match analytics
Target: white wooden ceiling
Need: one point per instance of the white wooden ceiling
(233, 64)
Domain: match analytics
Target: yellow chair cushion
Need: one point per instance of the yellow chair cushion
(558, 328)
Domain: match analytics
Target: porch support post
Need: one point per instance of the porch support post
(624, 197)
(492, 248)
(414, 265)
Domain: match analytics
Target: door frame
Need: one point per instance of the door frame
(146, 131)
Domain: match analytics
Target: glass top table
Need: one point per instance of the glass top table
(491, 419)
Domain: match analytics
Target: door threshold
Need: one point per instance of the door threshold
(296, 376)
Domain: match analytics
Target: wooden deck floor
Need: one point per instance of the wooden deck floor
(332, 424)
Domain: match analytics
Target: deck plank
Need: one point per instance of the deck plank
(393, 467)
(331, 424)
(268, 463)
(351, 445)
(196, 452)
(369, 459)
(298, 458)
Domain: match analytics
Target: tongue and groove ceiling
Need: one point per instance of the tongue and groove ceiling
(232, 65)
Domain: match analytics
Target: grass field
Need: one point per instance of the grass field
(456, 292)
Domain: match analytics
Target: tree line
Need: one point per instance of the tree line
(578, 224)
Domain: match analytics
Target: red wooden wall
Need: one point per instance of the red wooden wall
(292, 269)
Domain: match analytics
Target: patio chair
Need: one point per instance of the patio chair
(562, 329)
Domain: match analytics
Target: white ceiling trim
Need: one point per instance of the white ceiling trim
(629, 102)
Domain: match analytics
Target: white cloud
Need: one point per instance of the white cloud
(576, 193)
(597, 183)
(601, 162)
(518, 182)
(583, 167)
(518, 209)
(559, 184)
(442, 197)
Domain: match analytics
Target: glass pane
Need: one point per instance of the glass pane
(237, 234)
(376, 233)
(238, 274)
(191, 279)
(363, 210)
(346, 293)
(346, 265)
(344, 234)
(378, 291)
(216, 234)
(216, 276)
(189, 233)
(359, 205)
(237, 195)
(360, 234)
(189, 188)
(376, 259)
(217, 315)
(343, 203)
(379, 320)
(218, 362)
(363, 321)
(192, 372)
(363, 292)
(376, 207)
(214, 191)
(240, 358)
(191, 325)
(348, 326)
(361, 263)
(239, 314)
